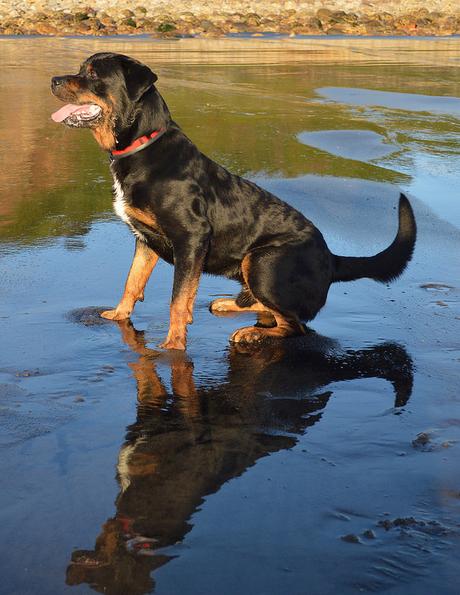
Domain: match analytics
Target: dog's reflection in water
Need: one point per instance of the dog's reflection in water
(186, 445)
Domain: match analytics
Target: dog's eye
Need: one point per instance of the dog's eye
(92, 74)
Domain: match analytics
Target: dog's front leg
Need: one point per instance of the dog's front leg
(144, 262)
(188, 266)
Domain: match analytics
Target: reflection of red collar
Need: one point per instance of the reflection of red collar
(140, 143)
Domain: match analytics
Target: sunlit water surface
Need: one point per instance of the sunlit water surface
(320, 466)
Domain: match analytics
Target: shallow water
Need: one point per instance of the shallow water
(130, 470)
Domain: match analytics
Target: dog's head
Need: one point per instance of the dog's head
(103, 96)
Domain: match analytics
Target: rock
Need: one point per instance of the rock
(422, 12)
(106, 20)
(28, 373)
(212, 33)
(129, 22)
(314, 25)
(405, 23)
(81, 16)
(46, 29)
(374, 27)
(206, 24)
(335, 30)
(187, 16)
(95, 24)
(324, 14)
(90, 11)
(166, 27)
(253, 20)
(337, 16)
(350, 538)
(421, 440)
(83, 27)
(422, 22)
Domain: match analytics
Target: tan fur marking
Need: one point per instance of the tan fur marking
(72, 86)
(180, 307)
(181, 313)
(150, 389)
(245, 265)
(230, 305)
(245, 268)
(144, 262)
(144, 217)
(104, 136)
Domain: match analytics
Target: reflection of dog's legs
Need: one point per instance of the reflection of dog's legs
(150, 389)
(142, 266)
(135, 339)
(182, 378)
(184, 388)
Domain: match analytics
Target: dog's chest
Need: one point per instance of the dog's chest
(120, 206)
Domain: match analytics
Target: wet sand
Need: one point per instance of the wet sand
(327, 464)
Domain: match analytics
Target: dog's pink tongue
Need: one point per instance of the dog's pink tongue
(67, 110)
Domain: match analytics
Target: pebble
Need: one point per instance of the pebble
(350, 538)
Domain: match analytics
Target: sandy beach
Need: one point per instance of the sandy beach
(321, 465)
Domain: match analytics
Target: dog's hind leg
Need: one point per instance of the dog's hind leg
(144, 262)
(291, 282)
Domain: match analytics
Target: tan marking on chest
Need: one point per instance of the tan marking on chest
(144, 217)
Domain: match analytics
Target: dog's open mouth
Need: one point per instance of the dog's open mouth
(78, 115)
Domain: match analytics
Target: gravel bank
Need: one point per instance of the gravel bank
(222, 17)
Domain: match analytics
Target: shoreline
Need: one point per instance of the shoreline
(141, 21)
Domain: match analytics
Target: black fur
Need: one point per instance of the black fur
(209, 216)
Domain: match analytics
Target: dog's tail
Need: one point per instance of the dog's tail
(387, 265)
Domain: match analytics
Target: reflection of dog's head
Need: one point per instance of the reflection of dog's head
(106, 95)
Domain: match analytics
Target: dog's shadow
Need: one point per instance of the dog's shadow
(185, 445)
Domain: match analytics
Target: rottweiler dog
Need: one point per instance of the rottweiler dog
(190, 211)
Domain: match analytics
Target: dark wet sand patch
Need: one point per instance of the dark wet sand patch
(89, 316)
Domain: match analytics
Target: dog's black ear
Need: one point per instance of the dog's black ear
(138, 78)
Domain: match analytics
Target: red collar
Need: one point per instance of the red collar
(140, 143)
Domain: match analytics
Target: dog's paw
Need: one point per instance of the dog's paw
(115, 314)
(249, 334)
(223, 305)
(176, 343)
